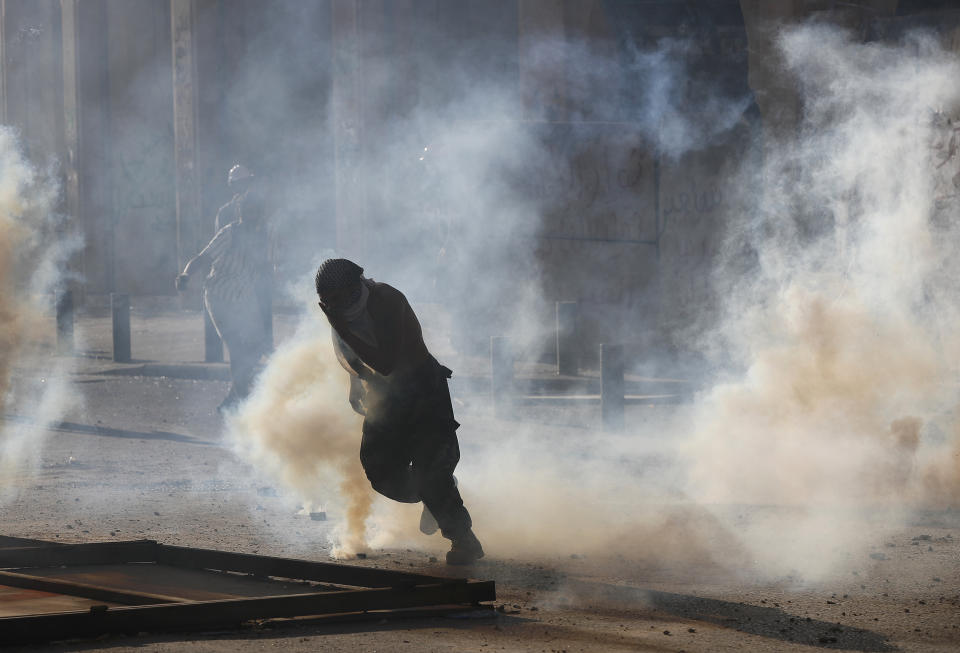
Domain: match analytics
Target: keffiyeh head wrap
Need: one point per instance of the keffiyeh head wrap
(338, 273)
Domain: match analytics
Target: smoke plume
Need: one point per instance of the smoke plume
(33, 250)
(830, 399)
(299, 428)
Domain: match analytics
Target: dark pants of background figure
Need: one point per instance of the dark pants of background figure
(409, 450)
(242, 327)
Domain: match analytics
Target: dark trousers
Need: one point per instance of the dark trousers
(412, 458)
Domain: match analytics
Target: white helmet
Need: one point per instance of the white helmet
(238, 172)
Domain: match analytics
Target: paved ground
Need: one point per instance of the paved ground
(144, 457)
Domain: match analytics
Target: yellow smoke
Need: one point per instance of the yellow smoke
(299, 426)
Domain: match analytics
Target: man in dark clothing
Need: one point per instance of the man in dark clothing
(409, 447)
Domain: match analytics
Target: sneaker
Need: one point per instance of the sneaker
(465, 550)
(428, 523)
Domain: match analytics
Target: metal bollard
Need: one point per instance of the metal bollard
(63, 301)
(501, 376)
(120, 309)
(568, 353)
(612, 387)
(212, 345)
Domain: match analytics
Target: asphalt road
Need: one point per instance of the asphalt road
(144, 457)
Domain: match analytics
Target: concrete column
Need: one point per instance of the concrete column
(612, 387)
(568, 340)
(86, 117)
(348, 126)
(65, 313)
(3, 62)
(120, 310)
(184, 130)
(501, 376)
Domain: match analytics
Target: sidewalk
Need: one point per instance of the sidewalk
(169, 343)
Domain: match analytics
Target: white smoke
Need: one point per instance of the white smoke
(834, 347)
(842, 325)
(34, 247)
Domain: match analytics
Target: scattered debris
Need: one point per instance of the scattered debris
(318, 516)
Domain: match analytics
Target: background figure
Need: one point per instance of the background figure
(238, 270)
(409, 447)
(239, 179)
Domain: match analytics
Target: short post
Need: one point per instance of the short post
(501, 376)
(612, 387)
(120, 310)
(212, 345)
(568, 354)
(64, 307)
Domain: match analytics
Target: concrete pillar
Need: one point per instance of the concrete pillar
(612, 387)
(501, 376)
(120, 312)
(3, 62)
(348, 127)
(86, 117)
(568, 339)
(184, 131)
(65, 313)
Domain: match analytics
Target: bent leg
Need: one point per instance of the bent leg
(386, 463)
(434, 461)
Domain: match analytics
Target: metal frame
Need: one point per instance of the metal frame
(348, 590)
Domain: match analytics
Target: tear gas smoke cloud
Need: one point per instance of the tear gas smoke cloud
(834, 350)
(33, 250)
(843, 327)
(299, 428)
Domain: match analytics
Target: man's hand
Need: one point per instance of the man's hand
(333, 316)
(181, 281)
(357, 394)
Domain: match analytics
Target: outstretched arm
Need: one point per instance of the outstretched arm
(202, 261)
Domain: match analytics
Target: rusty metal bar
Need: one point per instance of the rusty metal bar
(6, 541)
(86, 590)
(99, 553)
(259, 565)
(233, 612)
